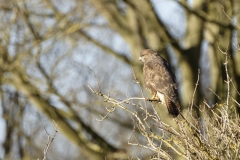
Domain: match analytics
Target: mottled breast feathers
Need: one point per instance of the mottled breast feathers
(160, 78)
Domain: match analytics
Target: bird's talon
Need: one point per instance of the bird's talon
(152, 99)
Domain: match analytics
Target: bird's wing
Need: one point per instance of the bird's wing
(162, 79)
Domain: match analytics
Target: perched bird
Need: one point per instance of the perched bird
(160, 80)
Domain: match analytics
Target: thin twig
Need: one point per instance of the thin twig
(99, 90)
(109, 112)
(137, 82)
(229, 17)
(50, 140)
(215, 93)
(235, 87)
(195, 89)
(226, 70)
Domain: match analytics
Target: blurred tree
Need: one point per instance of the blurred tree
(47, 46)
(206, 23)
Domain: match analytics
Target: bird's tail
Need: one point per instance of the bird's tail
(173, 109)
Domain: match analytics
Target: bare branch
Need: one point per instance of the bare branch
(215, 93)
(229, 17)
(50, 140)
(195, 89)
(99, 90)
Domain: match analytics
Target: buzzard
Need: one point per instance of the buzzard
(160, 80)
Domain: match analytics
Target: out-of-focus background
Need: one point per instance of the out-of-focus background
(51, 49)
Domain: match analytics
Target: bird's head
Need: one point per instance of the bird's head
(147, 54)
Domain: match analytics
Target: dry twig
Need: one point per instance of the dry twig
(203, 138)
(50, 140)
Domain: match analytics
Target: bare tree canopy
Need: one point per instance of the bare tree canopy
(75, 63)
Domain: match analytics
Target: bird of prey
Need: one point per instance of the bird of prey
(160, 80)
